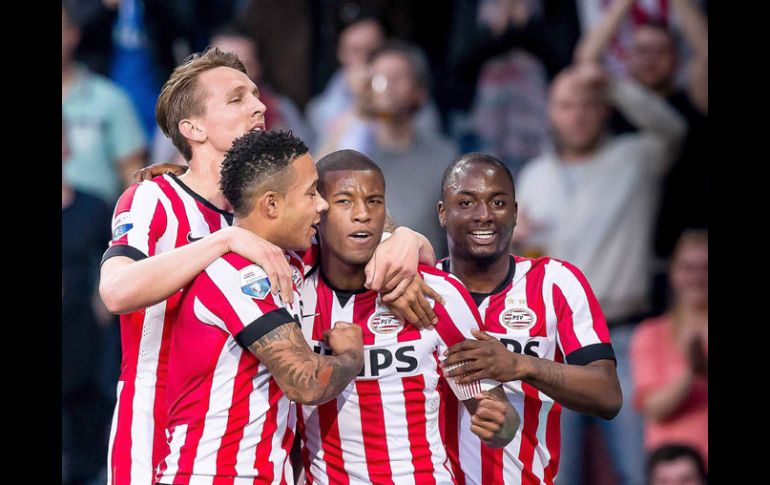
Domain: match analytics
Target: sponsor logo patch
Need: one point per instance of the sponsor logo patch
(254, 282)
(121, 225)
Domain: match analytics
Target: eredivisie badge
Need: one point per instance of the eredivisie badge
(121, 225)
(254, 282)
(384, 323)
(518, 318)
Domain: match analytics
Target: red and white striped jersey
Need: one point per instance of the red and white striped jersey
(384, 427)
(227, 416)
(544, 308)
(150, 218)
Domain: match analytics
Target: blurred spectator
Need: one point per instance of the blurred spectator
(331, 112)
(676, 465)
(618, 35)
(106, 140)
(283, 31)
(383, 125)
(590, 199)
(85, 411)
(669, 355)
(653, 60)
(504, 52)
(281, 112)
(133, 67)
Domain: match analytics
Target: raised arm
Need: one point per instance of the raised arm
(304, 376)
(128, 283)
(591, 46)
(695, 27)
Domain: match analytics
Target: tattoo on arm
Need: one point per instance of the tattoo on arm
(304, 376)
(549, 374)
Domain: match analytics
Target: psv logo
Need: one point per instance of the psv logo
(384, 323)
(518, 318)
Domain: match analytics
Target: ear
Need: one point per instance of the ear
(271, 204)
(441, 213)
(515, 212)
(191, 129)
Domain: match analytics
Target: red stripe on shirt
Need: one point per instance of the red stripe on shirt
(331, 443)
(373, 427)
(534, 285)
(237, 415)
(532, 405)
(450, 422)
(491, 464)
(492, 316)
(157, 228)
(446, 327)
(363, 307)
(194, 430)
(262, 463)
(569, 340)
(160, 411)
(597, 315)
(121, 449)
(414, 399)
(177, 206)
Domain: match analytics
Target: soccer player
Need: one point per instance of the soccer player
(167, 230)
(238, 357)
(384, 427)
(544, 335)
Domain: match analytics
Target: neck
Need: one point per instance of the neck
(341, 275)
(573, 155)
(260, 227)
(480, 275)
(395, 133)
(203, 178)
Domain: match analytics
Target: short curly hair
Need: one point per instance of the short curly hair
(258, 161)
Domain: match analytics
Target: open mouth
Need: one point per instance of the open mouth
(483, 236)
(258, 127)
(360, 236)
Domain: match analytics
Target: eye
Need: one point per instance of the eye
(236, 100)
(464, 203)
(498, 203)
(342, 202)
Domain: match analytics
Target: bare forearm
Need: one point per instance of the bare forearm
(662, 403)
(512, 420)
(588, 389)
(592, 45)
(304, 376)
(127, 285)
(694, 25)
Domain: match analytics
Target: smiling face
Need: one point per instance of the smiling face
(232, 107)
(352, 228)
(478, 211)
(302, 206)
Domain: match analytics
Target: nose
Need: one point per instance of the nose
(482, 212)
(321, 204)
(259, 107)
(361, 212)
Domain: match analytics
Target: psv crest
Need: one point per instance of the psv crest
(518, 318)
(384, 323)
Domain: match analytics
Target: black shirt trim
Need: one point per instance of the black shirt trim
(478, 298)
(227, 215)
(342, 295)
(122, 250)
(263, 325)
(591, 353)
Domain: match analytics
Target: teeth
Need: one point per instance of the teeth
(483, 234)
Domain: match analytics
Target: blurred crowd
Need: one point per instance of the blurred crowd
(599, 108)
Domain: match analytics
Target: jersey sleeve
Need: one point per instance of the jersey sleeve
(456, 318)
(239, 302)
(582, 330)
(138, 222)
